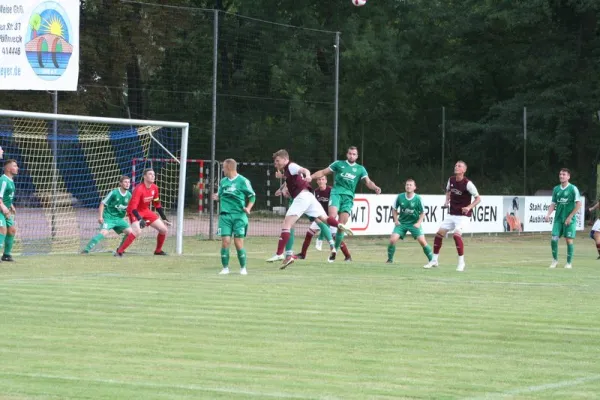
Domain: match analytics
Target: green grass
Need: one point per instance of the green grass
(144, 327)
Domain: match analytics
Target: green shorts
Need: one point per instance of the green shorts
(235, 225)
(403, 228)
(6, 222)
(116, 224)
(559, 229)
(343, 202)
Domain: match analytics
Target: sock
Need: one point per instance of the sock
(8, 244)
(3, 239)
(391, 251)
(289, 247)
(461, 259)
(345, 250)
(332, 222)
(160, 240)
(339, 237)
(123, 240)
(283, 240)
(225, 257)
(241, 254)
(554, 247)
(128, 240)
(307, 239)
(437, 245)
(598, 248)
(326, 231)
(427, 251)
(93, 242)
(322, 235)
(570, 249)
(460, 246)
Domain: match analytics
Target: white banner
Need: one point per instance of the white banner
(39, 44)
(536, 208)
(372, 214)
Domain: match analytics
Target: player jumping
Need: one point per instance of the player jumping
(140, 215)
(347, 174)
(567, 202)
(459, 191)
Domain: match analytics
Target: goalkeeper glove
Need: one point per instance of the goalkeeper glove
(161, 212)
(139, 218)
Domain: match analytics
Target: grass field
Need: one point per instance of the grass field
(144, 327)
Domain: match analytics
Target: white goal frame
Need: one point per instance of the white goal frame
(184, 126)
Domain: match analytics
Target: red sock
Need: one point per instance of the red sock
(130, 238)
(160, 240)
(345, 250)
(332, 222)
(437, 244)
(598, 248)
(460, 247)
(283, 239)
(307, 240)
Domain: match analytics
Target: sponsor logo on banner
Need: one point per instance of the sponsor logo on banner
(536, 208)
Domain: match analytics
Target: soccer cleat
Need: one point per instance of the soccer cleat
(243, 271)
(160, 253)
(389, 261)
(345, 229)
(276, 257)
(348, 259)
(567, 265)
(289, 260)
(84, 252)
(319, 245)
(8, 257)
(301, 256)
(431, 264)
(224, 271)
(554, 264)
(460, 267)
(598, 258)
(117, 254)
(332, 255)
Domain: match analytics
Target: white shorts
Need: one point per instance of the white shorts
(456, 223)
(306, 203)
(314, 226)
(596, 226)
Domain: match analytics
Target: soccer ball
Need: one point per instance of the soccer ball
(359, 3)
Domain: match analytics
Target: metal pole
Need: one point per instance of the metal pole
(54, 164)
(337, 96)
(181, 191)
(524, 151)
(443, 143)
(211, 225)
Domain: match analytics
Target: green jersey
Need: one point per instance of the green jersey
(233, 194)
(564, 200)
(346, 177)
(409, 210)
(115, 204)
(7, 190)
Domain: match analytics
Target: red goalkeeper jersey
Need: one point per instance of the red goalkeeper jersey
(142, 197)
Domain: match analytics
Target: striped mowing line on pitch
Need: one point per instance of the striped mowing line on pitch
(194, 388)
(537, 388)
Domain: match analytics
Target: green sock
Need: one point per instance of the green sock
(554, 246)
(241, 254)
(391, 251)
(325, 231)
(428, 252)
(339, 238)
(92, 243)
(322, 233)
(3, 239)
(570, 250)
(225, 257)
(290, 244)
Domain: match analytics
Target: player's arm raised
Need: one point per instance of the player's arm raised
(322, 172)
(371, 185)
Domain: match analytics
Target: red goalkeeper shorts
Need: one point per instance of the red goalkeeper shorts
(148, 215)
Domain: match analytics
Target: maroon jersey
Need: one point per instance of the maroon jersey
(295, 183)
(323, 196)
(460, 195)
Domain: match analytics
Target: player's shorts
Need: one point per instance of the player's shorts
(456, 223)
(595, 228)
(117, 224)
(235, 225)
(401, 230)
(6, 222)
(314, 226)
(559, 229)
(343, 202)
(305, 203)
(148, 215)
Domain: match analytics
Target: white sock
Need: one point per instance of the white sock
(435, 257)
(461, 259)
(289, 252)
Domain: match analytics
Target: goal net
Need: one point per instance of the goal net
(68, 163)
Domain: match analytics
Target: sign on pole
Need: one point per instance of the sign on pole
(39, 44)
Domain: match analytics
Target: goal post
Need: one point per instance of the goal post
(68, 163)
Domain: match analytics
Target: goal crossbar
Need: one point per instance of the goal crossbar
(184, 126)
